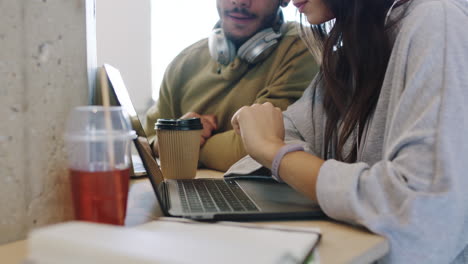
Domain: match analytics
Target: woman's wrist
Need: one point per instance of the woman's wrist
(275, 167)
(266, 154)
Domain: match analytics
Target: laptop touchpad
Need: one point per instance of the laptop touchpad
(271, 195)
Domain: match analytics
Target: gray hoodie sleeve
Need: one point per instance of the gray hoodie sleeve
(298, 130)
(415, 194)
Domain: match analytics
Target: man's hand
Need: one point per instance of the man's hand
(209, 123)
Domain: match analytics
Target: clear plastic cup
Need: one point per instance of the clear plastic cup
(97, 143)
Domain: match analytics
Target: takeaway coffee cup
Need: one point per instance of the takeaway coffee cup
(179, 146)
(97, 142)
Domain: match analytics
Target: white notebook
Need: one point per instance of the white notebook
(172, 241)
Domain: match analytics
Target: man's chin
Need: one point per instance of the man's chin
(238, 39)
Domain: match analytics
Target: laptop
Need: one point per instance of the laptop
(252, 197)
(138, 169)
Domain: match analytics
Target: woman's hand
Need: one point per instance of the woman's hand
(262, 130)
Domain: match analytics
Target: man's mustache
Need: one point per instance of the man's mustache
(242, 11)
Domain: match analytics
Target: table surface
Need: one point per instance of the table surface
(341, 243)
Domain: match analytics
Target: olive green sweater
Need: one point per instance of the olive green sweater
(194, 82)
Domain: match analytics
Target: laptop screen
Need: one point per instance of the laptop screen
(121, 96)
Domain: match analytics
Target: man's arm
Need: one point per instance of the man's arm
(287, 85)
(164, 107)
(222, 150)
(151, 116)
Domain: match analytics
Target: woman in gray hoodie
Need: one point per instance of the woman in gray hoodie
(378, 139)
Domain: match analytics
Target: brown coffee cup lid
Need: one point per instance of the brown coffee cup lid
(179, 124)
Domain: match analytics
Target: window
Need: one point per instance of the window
(177, 24)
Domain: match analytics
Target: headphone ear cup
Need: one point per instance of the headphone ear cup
(221, 49)
(251, 50)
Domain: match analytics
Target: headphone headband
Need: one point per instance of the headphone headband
(251, 50)
(224, 51)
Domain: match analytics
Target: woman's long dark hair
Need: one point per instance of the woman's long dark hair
(354, 57)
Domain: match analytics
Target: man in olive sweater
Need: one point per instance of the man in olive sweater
(251, 57)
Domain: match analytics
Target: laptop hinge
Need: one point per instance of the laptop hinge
(162, 189)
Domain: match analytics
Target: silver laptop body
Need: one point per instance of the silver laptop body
(251, 197)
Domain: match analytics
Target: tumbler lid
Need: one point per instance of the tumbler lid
(179, 124)
(88, 123)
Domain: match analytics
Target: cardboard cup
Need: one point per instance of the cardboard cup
(179, 147)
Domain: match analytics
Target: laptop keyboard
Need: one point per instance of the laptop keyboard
(207, 195)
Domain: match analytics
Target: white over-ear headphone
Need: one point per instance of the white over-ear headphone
(224, 51)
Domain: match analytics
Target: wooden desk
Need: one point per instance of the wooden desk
(13, 253)
(340, 243)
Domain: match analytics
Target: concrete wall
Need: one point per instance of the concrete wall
(124, 41)
(47, 63)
